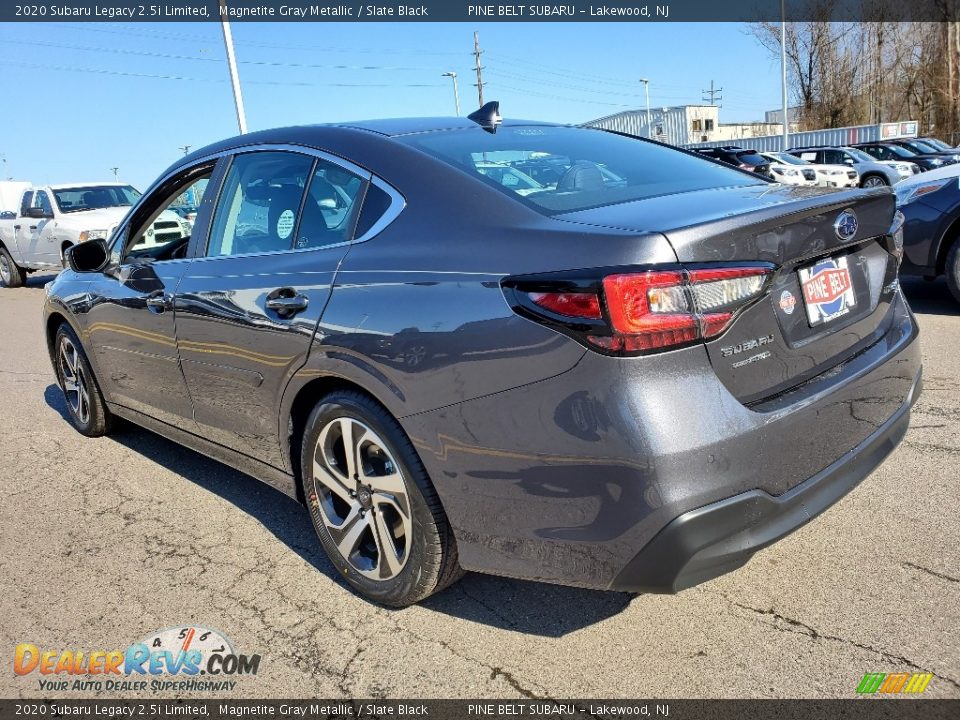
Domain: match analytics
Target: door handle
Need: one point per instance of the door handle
(159, 301)
(286, 302)
(17, 227)
(33, 227)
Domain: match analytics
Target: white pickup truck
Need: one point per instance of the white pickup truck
(51, 218)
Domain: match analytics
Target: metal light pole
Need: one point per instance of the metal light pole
(115, 170)
(646, 90)
(783, 73)
(456, 90)
(232, 64)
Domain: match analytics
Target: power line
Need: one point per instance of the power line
(170, 56)
(153, 76)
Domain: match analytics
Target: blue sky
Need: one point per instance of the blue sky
(81, 98)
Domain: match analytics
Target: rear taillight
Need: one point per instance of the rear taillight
(642, 312)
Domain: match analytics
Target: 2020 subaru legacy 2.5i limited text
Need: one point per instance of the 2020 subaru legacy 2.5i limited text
(632, 375)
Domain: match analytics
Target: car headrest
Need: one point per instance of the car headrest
(582, 175)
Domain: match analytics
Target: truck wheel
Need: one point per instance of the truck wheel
(952, 270)
(10, 273)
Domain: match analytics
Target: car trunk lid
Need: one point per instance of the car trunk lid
(829, 296)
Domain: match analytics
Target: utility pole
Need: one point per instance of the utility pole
(477, 52)
(456, 91)
(114, 170)
(646, 90)
(232, 65)
(185, 148)
(714, 95)
(783, 74)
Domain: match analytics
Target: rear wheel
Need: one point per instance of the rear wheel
(11, 275)
(952, 269)
(375, 510)
(873, 181)
(85, 404)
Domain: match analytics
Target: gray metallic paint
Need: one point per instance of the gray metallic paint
(552, 462)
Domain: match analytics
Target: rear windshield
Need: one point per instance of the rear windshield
(751, 158)
(565, 169)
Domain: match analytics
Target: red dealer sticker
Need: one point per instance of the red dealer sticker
(827, 290)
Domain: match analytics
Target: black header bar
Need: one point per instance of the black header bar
(479, 11)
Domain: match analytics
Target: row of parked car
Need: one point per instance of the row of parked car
(923, 172)
(865, 164)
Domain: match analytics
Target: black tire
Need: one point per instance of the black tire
(873, 181)
(429, 556)
(85, 404)
(11, 274)
(952, 270)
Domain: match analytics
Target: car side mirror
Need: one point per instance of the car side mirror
(39, 213)
(88, 256)
(848, 161)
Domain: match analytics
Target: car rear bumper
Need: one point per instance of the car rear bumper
(593, 476)
(707, 542)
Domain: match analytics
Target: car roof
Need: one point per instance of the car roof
(407, 126)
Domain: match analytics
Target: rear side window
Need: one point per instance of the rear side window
(26, 202)
(564, 169)
(375, 204)
(259, 205)
(330, 208)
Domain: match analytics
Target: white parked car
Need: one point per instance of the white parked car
(51, 218)
(790, 170)
(838, 176)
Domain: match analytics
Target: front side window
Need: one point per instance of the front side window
(166, 235)
(575, 168)
(260, 203)
(42, 201)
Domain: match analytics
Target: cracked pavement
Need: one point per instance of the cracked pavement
(107, 540)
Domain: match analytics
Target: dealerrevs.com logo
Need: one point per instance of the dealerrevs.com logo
(178, 659)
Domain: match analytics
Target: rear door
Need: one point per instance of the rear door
(249, 304)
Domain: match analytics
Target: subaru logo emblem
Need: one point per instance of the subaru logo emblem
(846, 225)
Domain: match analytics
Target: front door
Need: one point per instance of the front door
(35, 235)
(248, 308)
(132, 324)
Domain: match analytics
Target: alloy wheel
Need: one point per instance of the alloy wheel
(873, 182)
(4, 270)
(74, 381)
(362, 498)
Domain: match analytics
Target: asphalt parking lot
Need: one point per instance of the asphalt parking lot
(106, 541)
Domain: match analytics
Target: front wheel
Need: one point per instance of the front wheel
(85, 404)
(873, 181)
(952, 270)
(11, 275)
(375, 510)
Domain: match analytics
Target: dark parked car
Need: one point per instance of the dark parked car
(928, 146)
(930, 204)
(633, 385)
(892, 151)
(749, 160)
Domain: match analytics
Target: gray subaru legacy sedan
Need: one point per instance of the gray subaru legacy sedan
(533, 350)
